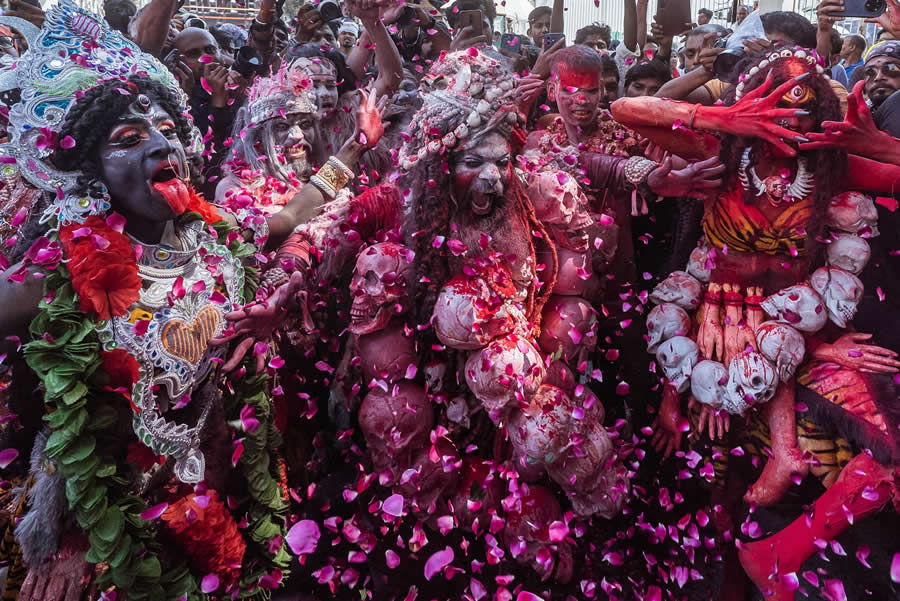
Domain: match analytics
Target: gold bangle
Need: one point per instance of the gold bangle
(335, 174)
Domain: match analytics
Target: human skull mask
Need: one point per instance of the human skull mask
(708, 383)
(380, 286)
(751, 381)
(842, 292)
(387, 354)
(396, 424)
(569, 324)
(700, 263)
(782, 345)
(677, 356)
(509, 370)
(679, 288)
(853, 212)
(849, 252)
(468, 314)
(560, 204)
(799, 306)
(665, 321)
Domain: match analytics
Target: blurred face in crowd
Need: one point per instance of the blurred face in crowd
(347, 40)
(647, 86)
(741, 14)
(692, 49)
(324, 77)
(596, 42)
(197, 47)
(882, 75)
(579, 94)
(324, 36)
(702, 19)
(539, 28)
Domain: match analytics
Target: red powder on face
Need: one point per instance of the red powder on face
(176, 194)
(570, 77)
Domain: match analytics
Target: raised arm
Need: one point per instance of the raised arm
(262, 30)
(753, 117)
(557, 18)
(871, 176)
(153, 28)
(629, 30)
(387, 58)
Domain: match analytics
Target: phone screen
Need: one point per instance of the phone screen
(473, 19)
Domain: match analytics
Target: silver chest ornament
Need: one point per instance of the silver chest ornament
(168, 331)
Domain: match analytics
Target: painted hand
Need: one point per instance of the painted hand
(696, 177)
(369, 127)
(850, 352)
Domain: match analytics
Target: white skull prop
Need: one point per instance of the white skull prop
(379, 286)
(528, 538)
(842, 292)
(677, 356)
(509, 370)
(569, 324)
(708, 383)
(699, 264)
(560, 204)
(574, 273)
(679, 288)
(665, 321)
(799, 306)
(468, 314)
(782, 345)
(849, 252)
(435, 372)
(853, 212)
(752, 380)
(396, 424)
(387, 354)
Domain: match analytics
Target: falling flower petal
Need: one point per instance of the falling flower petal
(67, 142)
(209, 583)
(895, 568)
(437, 562)
(154, 512)
(7, 456)
(393, 505)
(303, 537)
(392, 559)
(834, 590)
(526, 596)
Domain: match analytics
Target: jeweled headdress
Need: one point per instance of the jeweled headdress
(470, 92)
(74, 51)
(287, 92)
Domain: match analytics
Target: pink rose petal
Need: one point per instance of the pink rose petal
(209, 584)
(895, 568)
(154, 512)
(437, 562)
(303, 537)
(7, 456)
(393, 505)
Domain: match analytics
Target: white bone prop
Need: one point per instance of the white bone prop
(677, 356)
(782, 345)
(799, 306)
(849, 252)
(752, 381)
(679, 288)
(708, 381)
(665, 321)
(842, 292)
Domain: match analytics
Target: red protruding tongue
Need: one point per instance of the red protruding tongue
(176, 194)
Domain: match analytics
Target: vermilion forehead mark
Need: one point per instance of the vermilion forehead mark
(570, 77)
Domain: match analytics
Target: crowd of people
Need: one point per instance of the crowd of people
(373, 301)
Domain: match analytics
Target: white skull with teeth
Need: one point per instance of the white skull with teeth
(849, 252)
(677, 356)
(679, 288)
(800, 306)
(842, 292)
(698, 264)
(751, 381)
(782, 345)
(380, 286)
(853, 212)
(708, 383)
(663, 322)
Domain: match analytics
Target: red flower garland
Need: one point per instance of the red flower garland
(197, 204)
(202, 527)
(103, 267)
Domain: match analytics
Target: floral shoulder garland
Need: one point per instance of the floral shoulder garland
(83, 384)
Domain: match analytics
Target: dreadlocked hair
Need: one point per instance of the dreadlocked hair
(94, 115)
(430, 215)
(829, 165)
